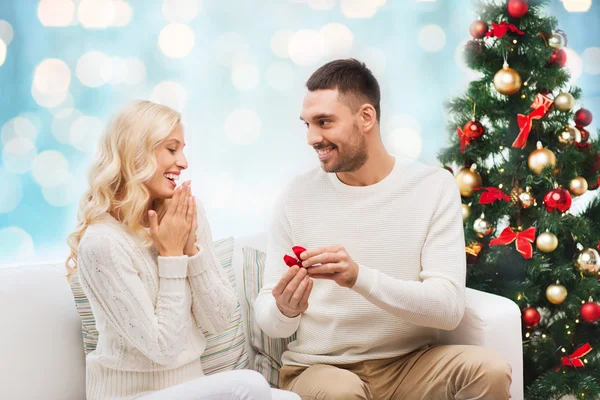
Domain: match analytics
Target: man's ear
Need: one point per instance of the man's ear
(367, 117)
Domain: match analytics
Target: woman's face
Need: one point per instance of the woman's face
(170, 161)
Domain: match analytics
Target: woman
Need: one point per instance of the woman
(144, 254)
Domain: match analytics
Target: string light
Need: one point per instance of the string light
(544, 335)
(527, 334)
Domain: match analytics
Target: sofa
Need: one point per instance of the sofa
(42, 354)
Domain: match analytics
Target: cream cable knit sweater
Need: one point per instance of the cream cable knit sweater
(406, 234)
(149, 310)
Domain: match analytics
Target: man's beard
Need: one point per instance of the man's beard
(354, 156)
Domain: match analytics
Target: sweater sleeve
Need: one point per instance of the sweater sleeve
(113, 286)
(213, 298)
(268, 316)
(438, 300)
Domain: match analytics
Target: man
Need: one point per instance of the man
(384, 268)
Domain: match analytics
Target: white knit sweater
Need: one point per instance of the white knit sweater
(406, 234)
(149, 310)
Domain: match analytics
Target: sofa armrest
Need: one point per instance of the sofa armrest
(494, 322)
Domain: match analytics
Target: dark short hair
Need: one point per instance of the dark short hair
(351, 78)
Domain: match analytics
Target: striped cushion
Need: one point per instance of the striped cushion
(227, 350)
(88, 323)
(268, 358)
(224, 352)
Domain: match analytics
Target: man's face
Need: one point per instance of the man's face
(333, 131)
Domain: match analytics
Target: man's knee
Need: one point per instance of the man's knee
(327, 382)
(495, 367)
(491, 372)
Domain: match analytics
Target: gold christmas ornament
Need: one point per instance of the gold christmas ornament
(507, 81)
(522, 197)
(569, 136)
(588, 262)
(578, 186)
(482, 227)
(466, 212)
(540, 158)
(468, 179)
(556, 293)
(564, 101)
(557, 41)
(546, 242)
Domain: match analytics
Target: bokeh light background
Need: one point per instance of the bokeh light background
(236, 70)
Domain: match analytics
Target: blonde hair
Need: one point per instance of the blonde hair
(124, 161)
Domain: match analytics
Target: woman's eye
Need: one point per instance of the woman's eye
(172, 151)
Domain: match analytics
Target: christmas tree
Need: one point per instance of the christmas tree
(523, 152)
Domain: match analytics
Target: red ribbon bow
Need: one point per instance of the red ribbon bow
(492, 194)
(541, 105)
(464, 139)
(499, 30)
(291, 261)
(524, 240)
(573, 360)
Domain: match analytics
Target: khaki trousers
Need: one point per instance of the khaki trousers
(438, 372)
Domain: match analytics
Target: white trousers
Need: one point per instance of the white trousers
(231, 385)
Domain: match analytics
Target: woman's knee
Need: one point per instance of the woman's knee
(250, 384)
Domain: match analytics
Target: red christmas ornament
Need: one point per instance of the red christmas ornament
(474, 129)
(583, 117)
(291, 261)
(583, 146)
(517, 8)
(590, 312)
(559, 57)
(558, 200)
(585, 135)
(531, 317)
(478, 29)
(471, 131)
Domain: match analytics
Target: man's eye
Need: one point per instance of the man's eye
(324, 122)
(305, 124)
